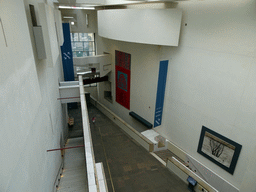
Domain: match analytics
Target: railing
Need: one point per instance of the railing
(95, 183)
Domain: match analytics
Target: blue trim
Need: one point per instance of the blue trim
(163, 69)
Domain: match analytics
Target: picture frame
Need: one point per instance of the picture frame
(219, 149)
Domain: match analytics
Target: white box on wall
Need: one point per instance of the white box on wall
(39, 39)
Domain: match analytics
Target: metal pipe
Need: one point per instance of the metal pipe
(65, 148)
(67, 98)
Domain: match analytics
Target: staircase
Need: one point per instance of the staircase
(74, 176)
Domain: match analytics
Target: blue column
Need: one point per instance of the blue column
(163, 68)
(67, 56)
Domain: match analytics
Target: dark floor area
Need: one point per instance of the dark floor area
(77, 129)
(127, 165)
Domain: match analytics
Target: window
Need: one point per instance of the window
(83, 44)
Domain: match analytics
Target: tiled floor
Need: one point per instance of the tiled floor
(128, 166)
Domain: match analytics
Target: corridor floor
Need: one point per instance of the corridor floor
(128, 166)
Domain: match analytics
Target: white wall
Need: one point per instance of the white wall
(80, 20)
(32, 119)
(144, 75)
(211, 81)
(141, 25)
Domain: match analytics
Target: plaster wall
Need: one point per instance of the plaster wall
(211, 81)
(32, 119)
(80, 20)
(144, 61)
(141, 25)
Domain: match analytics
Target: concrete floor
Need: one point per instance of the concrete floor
(74, 177)
(128, 166)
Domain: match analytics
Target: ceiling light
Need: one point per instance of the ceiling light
(67, 17)
(72, 7)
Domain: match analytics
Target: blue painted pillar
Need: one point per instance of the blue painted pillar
(67, 56)
(163, 68)
(67, 59)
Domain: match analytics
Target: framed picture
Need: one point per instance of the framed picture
(219, 149)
